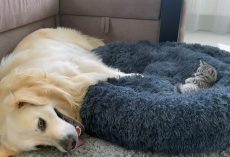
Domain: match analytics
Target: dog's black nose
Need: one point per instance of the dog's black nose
(69, 142)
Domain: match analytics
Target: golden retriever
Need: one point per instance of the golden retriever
(42, 85)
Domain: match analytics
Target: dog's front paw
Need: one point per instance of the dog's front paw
(134, 74)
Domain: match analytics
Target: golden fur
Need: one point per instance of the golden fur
(50, 67)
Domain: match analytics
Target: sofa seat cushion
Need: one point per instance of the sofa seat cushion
(15, 13)
(144, 9)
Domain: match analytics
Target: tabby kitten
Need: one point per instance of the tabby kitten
(205, 76)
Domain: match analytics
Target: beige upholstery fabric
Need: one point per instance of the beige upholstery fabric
(113, 19)
(111, 29)
(107, 19)
(15, 13)
(9, 39)
(138, 9)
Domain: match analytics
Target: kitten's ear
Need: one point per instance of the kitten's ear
(202, 63)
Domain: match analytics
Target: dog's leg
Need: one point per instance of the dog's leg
(94, 77)
(115, 73)
(121, 74)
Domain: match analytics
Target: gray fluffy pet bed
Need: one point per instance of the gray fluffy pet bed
(146, 114)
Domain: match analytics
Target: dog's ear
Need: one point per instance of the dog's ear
(21, 104)
(24, 96)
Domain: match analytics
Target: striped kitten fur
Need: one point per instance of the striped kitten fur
(205, 76)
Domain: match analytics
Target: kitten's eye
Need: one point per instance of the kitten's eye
(41, 124)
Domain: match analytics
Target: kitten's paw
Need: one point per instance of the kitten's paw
(178, 88)
(190, 80)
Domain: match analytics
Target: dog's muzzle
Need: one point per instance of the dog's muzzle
(69, 142)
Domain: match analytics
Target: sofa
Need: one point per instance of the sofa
(154, 20)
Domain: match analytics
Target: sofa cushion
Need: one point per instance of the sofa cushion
(138, 9)
(110, 29)
(15, 13)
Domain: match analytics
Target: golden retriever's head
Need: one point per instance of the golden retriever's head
(32, 126)
(36, 110)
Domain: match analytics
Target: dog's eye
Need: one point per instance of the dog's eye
(39, 146)
(41, 124)
(21, 104)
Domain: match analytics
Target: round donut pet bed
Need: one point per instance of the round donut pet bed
(145, 113)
